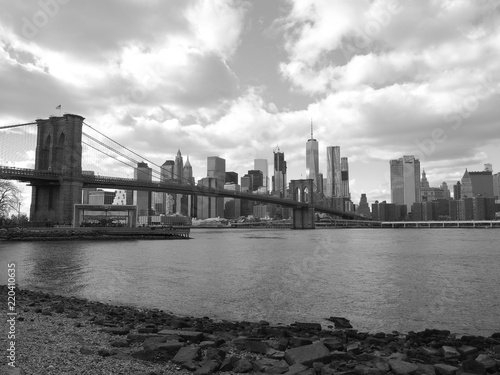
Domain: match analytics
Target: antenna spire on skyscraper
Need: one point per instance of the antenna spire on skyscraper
(312, 129)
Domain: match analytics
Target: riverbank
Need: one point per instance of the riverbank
(97, 233)
(61, 335)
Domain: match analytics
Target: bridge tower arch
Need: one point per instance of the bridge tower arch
(302, 191)
(58, 149)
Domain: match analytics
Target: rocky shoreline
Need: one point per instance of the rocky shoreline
(61, 335)
(70, 234)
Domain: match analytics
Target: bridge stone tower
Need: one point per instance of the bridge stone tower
(58, 149)
(303, 191)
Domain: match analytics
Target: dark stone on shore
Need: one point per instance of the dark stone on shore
(307, 326)
(444, 369)
(228, 364)
(208, 367)
(334, 343)
(86, 351)
(192, 336)
(186, 354)
(402, 367)
(242, 365)
(308, 354)
(255, 346)
(103, 352)
(474, 367)
(295, 342)
(147, 330)
(215, 354)
(340, 323)
(146, 355)
(120, 343)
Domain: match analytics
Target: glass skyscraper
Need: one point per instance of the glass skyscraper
(405, 181)
(279, 178)
(333, 172)
(312, 160)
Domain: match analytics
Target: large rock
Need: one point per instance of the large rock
(308, 354)
(444, 369)
(449, 352)
(402, 367)
(256, 346)
(334, 343)
(208, 367)
(308, 326)
(242, 366)
(340, 322)
(192, 336)
(186, 354)
(295, 369)
(474, 367)
(228, 364)
(425, 369)
(366, 370)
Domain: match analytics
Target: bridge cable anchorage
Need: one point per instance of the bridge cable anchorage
(180, 178)
(16, 125)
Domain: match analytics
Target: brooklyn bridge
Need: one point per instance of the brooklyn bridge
(64, 144)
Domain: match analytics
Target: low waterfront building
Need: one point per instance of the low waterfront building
(105, 215)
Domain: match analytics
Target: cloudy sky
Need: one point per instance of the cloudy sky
(380, 79)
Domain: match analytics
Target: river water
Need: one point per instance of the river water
(379, 279)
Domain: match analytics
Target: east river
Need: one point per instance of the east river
(379, 279)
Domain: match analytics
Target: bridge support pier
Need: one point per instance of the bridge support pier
(303, 191)
(58, 149)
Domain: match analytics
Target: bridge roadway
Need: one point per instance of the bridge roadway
(105, 182)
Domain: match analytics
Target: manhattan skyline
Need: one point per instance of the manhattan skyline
(236, 79)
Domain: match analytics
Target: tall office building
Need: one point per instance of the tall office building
(187, 173)
(216, 168)
(208, 207)
(167, 170)
(142, 199)
(496, 185)
(477, 184)
(216, 176)
(405, 181)
(232, 207)
(363, 207)
(446, 190)
(261, 165)
(312, 160)
(333, 172)
(279, 178)
(257, 180)
(178, 166)
(232, 178)
(344, 175)
(457, 191)
(164, 203)
(320, 183)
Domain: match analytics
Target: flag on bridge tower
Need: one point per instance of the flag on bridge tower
(58, 107)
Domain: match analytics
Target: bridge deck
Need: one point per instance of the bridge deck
(42, 176)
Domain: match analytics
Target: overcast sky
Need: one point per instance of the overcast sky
(380, 79)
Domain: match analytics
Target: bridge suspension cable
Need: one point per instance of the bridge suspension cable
(16, 125)
(157, 173)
